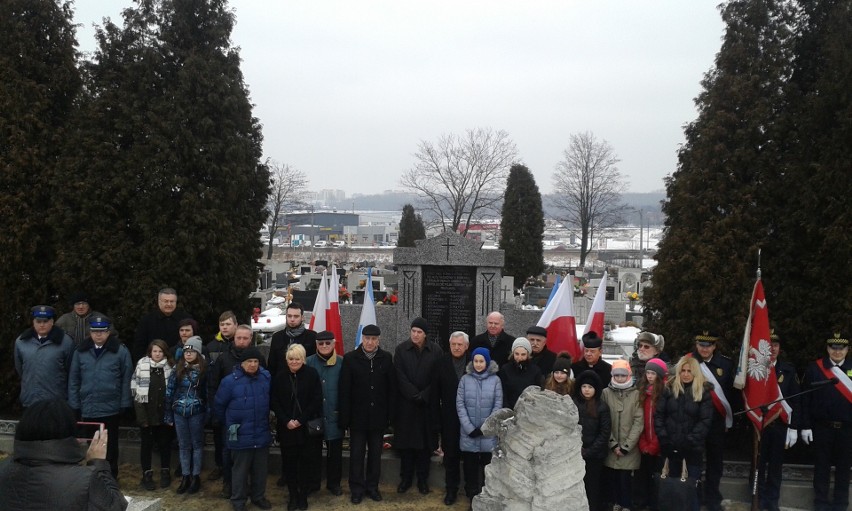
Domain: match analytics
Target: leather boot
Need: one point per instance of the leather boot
(184, 484)
(165, 478)
(148, 480)
(195, 485)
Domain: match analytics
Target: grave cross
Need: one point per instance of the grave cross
(448, 245)
(505, 290)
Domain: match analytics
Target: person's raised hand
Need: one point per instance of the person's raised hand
(98, 448)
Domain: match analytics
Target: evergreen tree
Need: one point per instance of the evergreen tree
(811, 245)
(39, 83)
(411, 227)
(717, 208)
(522, 226)
(175, 189)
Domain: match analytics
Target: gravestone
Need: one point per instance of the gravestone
(507, 290)
(449, 280)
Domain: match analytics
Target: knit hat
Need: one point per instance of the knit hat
(252, 352)
(592, 340)
(420, 323)
(658, 366)
(193, 343)
(77, 297)
(485, 353)
(522, 342)
(621, 367)
(562, 363)
(371, 330)
(589, 377)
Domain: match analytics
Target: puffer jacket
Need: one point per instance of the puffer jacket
(100, 386)
(625, 411)
(47, 474)
(43, 368)
(329, 373)
(478, 396)
(242, 407)
(681, 423)
(596, 430)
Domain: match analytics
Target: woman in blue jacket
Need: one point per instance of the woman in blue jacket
(480, 394)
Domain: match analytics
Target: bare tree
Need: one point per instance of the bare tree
(462, 176)
(588, 188)
(288, 187)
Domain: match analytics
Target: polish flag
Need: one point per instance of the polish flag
(558, 318)
(332, 314)
(318, 316)
(595, 321)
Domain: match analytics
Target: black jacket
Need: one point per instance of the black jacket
(596, 430)
(47, 475)
(516, 378)
(827, 403)
(281, 341)
(446, 388)
(308, 393)
(416, 424)
(544, 361)
(156, 325)
(367, 391)
(603, 369)
(682, 424)
(502, 349)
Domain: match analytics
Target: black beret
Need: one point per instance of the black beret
(420, 323)
(371, 330)
(537, 330)
(325, 335)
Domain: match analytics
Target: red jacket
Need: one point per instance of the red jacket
(648, 442)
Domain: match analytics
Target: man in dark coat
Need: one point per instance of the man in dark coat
(827, 421)
(367, 397)
(449, 371)
(417, 425)
(778, 434)
(718, 370)
(43, 358)
(159, 324)
(294, 332)
(494, 339)
(592, 353)
(540, 356)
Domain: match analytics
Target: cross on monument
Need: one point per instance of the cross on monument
(505, 290)
(448, 245)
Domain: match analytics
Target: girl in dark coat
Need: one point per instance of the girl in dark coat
(148, 385)
(682, 419)
(519, 374)
(595, 421)
(296, 399)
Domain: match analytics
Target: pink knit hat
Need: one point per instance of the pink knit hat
(658, 366)
(621, 366)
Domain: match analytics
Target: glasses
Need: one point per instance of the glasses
(323, 343)
(644, 346)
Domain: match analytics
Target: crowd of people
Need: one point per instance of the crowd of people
(635, 413)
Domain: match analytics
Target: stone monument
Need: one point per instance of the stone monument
(449, 280)
(537, 465)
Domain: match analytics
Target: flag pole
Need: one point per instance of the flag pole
(755, 469)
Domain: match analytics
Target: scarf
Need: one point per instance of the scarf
(459, 365)
(369, 355)
(142, 377)
(292, 333)
(621, 386)
(330, 360)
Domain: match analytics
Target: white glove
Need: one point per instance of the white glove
(792, 436)
(807, 436)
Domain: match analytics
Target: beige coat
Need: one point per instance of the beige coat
(625, 409)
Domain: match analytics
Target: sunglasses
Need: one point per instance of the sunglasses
(324, 343)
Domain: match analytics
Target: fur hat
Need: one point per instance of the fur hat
(589, 377)
(621, 367)
(420, 323)
(522, 342)
(657, 341)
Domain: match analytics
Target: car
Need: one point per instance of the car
(339, 244)
(321, 244)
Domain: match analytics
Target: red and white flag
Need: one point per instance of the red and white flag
(318, 316)
(558, 318)
(332, 316)
(595, 321)
(756, 374)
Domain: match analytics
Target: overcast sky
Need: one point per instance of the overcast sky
(346, 89)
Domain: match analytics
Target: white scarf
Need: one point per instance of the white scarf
(142, 377)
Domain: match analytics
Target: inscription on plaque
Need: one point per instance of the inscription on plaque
(449, 301)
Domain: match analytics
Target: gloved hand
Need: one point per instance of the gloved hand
(807, 436)
(475, 433)
(792, 436)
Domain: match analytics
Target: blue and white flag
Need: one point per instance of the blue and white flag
(553, 290)
(368, 312)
